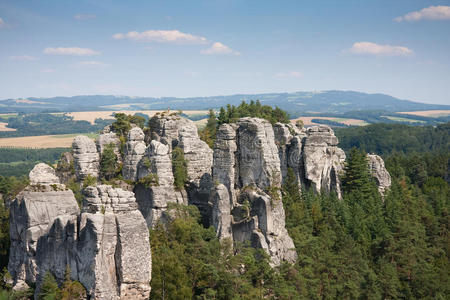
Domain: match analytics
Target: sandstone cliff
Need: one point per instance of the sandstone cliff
(106, 245)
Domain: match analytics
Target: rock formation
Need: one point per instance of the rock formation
(156, 188)
(106, 138)
(114, 260)
(175, 131)
(66, 169)
(247, 202)
(86, 158)
(379, 172)
(134, 150)
(322, 159)
(237, 188)
(106, 245)
(43, 221)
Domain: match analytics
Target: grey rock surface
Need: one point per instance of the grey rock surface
(153, 199)
(114, 256)
(134, 151)
(323, 161)
(175, 131)
(246, 167)
(106, 245)
(379, 172)
(65, 169)
(86, 158)
(45, 211)
(43, 174)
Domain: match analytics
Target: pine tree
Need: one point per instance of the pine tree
(49, 288)
(108, 163)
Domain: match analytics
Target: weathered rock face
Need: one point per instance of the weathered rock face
(246, 170)
(174, 131)
(322, 159)
(156, 166)
(43, 221)
(86, 158)
(66, 169)
(43, 174)
(106, 246)
(379, 172)
(134, 151)
(114, 258)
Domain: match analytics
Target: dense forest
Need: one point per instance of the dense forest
(20, 161)
(361, 247)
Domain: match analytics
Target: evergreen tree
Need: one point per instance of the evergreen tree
(49, 288)
(108, 162)
(179, 166)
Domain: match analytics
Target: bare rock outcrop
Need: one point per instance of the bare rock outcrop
(134, 151)
(175, 131)
(323, 161)
(86, 158)
(156, 188)
(247, 202)
(379, 172)
(43, 220)
(114, 258)
(106, 245)
(65, 169)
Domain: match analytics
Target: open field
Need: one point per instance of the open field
(90, 116)
(42, 141)
(353, 122)
(428, 113)
(4, 128)
(7, 116)
(400, 119)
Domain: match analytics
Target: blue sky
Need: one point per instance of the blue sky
(220, 47)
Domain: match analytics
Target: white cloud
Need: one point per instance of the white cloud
(76, 51)
(291, 74)
(379, 50)
(92, 63)
(81, 17)
(2, 23)
(219, 48)
(161, 36)
(22, 58)
(428, 13)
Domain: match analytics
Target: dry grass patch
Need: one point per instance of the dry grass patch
(4, 128)
(90, 116)
(427, 113)
(42, 141)
(353, 122)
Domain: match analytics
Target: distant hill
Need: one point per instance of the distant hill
(329, 102)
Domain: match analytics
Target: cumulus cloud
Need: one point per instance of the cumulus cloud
(429, 13)
(379, 50)
(82, 17)
(2, 23)
(92, 63)
(219, 48)
(291, 74)
(22, 58)
(161, 36)
(76, 51)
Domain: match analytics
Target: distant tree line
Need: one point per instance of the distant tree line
(44, 124)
